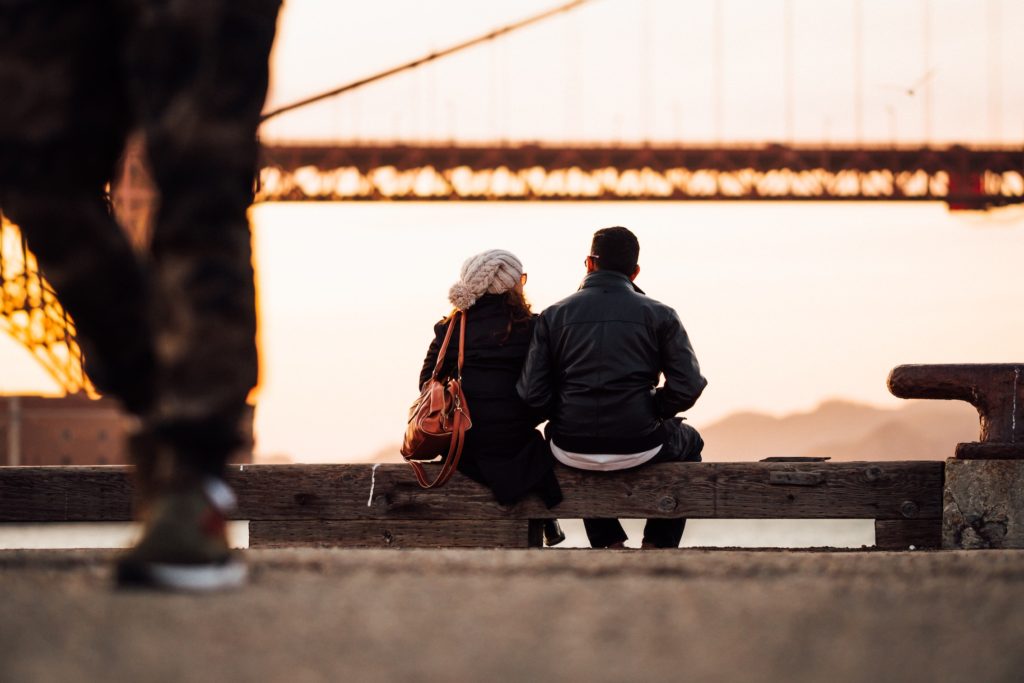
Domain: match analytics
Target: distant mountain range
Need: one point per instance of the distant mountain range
(838, 429)
(843, 430)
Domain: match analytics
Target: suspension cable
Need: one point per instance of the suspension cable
(424, 60)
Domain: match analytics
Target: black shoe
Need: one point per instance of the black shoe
(553, 534)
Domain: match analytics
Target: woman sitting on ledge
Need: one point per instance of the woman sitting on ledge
(503, 449)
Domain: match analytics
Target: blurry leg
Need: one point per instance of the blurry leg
(199, 75)
(60, 138)
(604, 532)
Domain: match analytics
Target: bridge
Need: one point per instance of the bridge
(644, 163)
(648, 164)
(963, 177)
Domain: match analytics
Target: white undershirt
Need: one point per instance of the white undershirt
(604, 462)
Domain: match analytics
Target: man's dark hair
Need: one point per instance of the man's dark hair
(616, 249)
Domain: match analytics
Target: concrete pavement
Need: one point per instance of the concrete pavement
(537, 615)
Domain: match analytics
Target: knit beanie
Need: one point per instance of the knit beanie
(490, 272)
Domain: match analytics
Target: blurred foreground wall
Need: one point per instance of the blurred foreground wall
(70, 430)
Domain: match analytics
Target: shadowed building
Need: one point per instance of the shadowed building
(73, 430)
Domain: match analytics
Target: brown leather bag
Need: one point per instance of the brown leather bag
(439, 418)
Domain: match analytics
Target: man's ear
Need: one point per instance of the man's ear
(591, 265)
(635, 273)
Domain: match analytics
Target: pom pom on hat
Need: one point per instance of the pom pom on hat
(461, 296)
(495, 271)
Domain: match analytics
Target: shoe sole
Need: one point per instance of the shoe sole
(180, 577)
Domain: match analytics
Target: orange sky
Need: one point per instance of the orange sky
(636, 69)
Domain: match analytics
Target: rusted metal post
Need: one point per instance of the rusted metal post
(996, 390)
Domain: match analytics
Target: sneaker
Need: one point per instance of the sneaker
(184, 544)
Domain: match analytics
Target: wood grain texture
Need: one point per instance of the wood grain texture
(852, 490)
(900, 534)
(65, 494)
(393, 533)
(849, 490)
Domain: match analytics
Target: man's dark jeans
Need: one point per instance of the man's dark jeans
(682, 444)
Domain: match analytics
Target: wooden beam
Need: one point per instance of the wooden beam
(841, 490)
(900, 534)
(65, 494)
(898, 490)
(852, 490)
(391, 533)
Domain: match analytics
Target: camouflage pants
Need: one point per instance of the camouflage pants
(172, 332)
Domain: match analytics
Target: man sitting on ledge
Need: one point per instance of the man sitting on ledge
(594, 365)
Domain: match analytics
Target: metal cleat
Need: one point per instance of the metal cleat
(996, 390)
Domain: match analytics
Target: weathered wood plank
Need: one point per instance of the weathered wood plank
(867, 490)
(859, 490)
(900, 534)
(723, 490)
(65, 494)
(390, 533)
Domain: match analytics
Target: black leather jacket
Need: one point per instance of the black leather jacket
(595, 362)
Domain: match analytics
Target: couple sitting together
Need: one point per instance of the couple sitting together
(590, 365)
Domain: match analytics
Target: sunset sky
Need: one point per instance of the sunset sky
(636, 69)
(786, 304)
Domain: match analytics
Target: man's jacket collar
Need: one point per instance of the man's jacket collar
(609, 278)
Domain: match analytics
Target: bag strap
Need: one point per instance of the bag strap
(458, 427)
(462, 344)
(444, 345)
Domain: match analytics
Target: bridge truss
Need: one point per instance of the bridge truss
(32, 315)
(964, 178)
(29, 309)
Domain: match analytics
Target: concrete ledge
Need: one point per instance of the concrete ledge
(378, 616)
(983, 504)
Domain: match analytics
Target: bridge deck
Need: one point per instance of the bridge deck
(963, 177)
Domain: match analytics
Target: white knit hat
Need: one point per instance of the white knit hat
(494, 271)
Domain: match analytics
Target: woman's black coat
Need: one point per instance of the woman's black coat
(503, 448)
